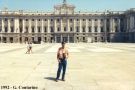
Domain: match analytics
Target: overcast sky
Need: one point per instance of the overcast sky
(81, 5)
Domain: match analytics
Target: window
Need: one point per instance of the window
(45, 29)
(26, 30)
(58, 29)
(116, 29)
(39, 29)
(20, 29)
(32, 19)
(89, 19)
(52, 29)
(83, 29)
(102, 29)
(12, 19)
(108, 29)
(51, 20)
(71, 20)
(71, 29)
(77, 29)
(89, 29)
(6, 30)
(84, 19)
(58, 20)
(95, 19)
(26, 19)
(12, 29)
(39, 19)
(65, 29)
(20, 20)
(95, 29)
(32, 29)
(6, 19)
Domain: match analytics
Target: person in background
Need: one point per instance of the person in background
(29, 48)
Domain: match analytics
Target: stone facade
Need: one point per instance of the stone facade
(65, 24)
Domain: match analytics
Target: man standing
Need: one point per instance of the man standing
(62, 56)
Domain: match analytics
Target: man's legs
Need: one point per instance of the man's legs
(64, 69)
(59, 71)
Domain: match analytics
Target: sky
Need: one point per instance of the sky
(81, 5)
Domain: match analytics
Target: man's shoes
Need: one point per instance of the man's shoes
(56, 80)
(63, 80)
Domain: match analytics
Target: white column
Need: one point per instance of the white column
(36, 31)
(93, 25)
(111, 25)
(16, 25)
(30, 29)
(99, 25)
(61, 25)
(9, 27)
(3, 25)
(74, 25)
(80, 26)
(48, 26)
(55, 25)
(86, 25)
(68, 25)
(42, 26)
(23, 26)
(119, 25)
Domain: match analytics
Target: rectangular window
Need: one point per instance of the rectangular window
(6, 29)
(89, 29)
(77, 29)
(39, 29)
(58, 29)
(45, 29)
(12, 29)
(32, 29)
(52, 29)
(95, 29)
(102, 29)
(65, 29)
(71, 29)
(83, 29)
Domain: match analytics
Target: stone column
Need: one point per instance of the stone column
(42, 26)
(80, 26)
(68, 25)
(99, 25)
(86, 25)
(93, 25)
(119, 25)
(23, 26)
(36, 30)
(48, 25)
(55, 25)
(61, 25)
(30, 29)
(74, 25)
(111, 25)
(16, 27)
(9, 26)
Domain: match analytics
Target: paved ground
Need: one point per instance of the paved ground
(90, 67)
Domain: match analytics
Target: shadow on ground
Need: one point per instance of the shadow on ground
(50, 78)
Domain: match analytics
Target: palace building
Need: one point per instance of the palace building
(65, 24)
